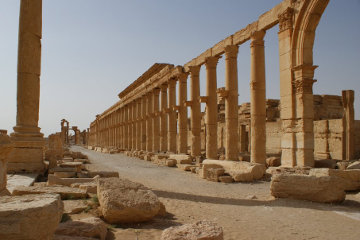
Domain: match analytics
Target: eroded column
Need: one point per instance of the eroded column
(133, 126)
(126, 126)
(28, 141)
(258, 99)
(211, 108)
(182, 114)
(138, 125)
(163, 119)
(348, 119)
(172, 116)
(149, 111)
(231, 103)
(143, 122)
(156, 121)
(195, 111)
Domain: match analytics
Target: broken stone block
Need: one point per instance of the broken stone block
(88, 227)
(31, 216)
(185, 167)
(61, 169)
(226, 179)
(123, 201)
(170, 162)
(273, 162)
(201, 230)
(89, 187)
(65, 192)
(103, 174)
(74, 206)
(78, 165)
(325, 163)
(324, 189)
(354, 165)
(181, 158)
(213, 174)
(351, 178)
(53, 180)
(239, 171)
(65, 174)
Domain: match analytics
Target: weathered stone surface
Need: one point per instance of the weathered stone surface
(89, 187)
(273, 162)
(5, 148)
(65, 192)
(181, 158)
(240, 171)
(351, 178)
(61, 169)
(52, 180)
(354, 165)
(185, 167)
(89, 227)
(226, 179)
(123, 201)
(74, 206)
(67, 174)
(202, 230)
(32, 217)
(326, 189)
(78, 165)
(21, 179)
(103, 174)
(213, 174)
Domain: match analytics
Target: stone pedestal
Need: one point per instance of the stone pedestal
(5, 148)
(195, 111)
(258, 99)
(211, 108)
(231, 103)
(27, 155)
(182, 116)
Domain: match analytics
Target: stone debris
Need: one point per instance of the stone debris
(103, 174)
(31, 216)
(324, 189)
(65, 192)
(89, 227)
(273, 162)
(181, 158)
(53, 180)
(201, 230)
(74, 206)
(351, 178)
(123, 201)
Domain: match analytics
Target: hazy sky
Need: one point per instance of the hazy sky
(93, 49)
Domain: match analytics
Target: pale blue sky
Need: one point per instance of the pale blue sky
(93, 49)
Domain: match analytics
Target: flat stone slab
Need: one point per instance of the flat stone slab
(74, 206)
(53, 180)
(65, 192)
(21, 179)
(29, 217)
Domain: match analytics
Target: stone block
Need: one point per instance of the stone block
(213, 174)
(52, 180)
(185, 167)
(273, 162)
(170, 162)
(351, 178)
(324, 189)
(226, 179)
(74, 206)
(181, 158)
(65, 174)
(103, 174)
(63, 191)
(32, 217)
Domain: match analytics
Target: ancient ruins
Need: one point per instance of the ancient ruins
(301, 146)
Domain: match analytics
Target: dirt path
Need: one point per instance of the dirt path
(245, 211)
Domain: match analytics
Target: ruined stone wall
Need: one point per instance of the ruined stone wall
(328, 107)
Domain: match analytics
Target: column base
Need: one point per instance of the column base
(28, 153)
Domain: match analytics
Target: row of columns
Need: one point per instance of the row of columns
(150, 121)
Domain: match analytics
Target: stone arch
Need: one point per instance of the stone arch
(304, 31)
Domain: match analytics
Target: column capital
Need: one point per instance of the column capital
(172, 82)
(286, 19)
(182, 77)
(257, 38)
(231, 51)
(211, 62)
(194, 70)
(164, 86)
(156, 91)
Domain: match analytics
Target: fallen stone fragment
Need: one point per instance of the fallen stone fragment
(354, 165)
(213, 174)
(325, 163)
(65, 174)
(202, 230)
(62, 169)
(351, 177)
(74, 206)
(181, 158)
(78, 165)
(123, 201)
(53, 180)
(65, 192)
(324, 189)
(32, 217)
(89, 187)
(89, 227)
(239, 171)
(185, 167)
(103, 174)
(226, 179)
(273, 162)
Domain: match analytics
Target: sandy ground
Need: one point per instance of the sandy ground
(244, 210)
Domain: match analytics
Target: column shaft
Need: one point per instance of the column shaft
(163, 119)
(172, 116)
(258, 99)
(138, 125)
(149, 136)
(156, 121)
(143, 123)
(182, 115)
(195, 111)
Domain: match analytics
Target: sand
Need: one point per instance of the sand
(243, 210)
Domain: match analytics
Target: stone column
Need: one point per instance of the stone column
(195, 117)
(143, 123)
(28, 141)
(258, 99)
(304, 99)
(133, 125)
(348, 123)
(122, 128)
(138, 125)
(231, 103)
(172, 116)
(163, 119)
(211, 108)
(182, 115)
(5, 148)
(126, 126)
(156, 121)
(242, 133)
(149, 136)
(287, 103)
(130, 126)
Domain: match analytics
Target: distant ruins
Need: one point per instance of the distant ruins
(151, 116)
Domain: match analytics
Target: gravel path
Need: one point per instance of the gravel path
(245, 211)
